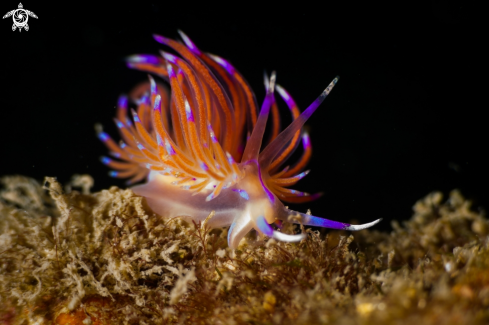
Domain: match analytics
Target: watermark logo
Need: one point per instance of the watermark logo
(20, 17)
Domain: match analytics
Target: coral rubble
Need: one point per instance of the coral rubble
(69, 257)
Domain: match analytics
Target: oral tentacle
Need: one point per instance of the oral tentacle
(288, 238)
(267, 230)
(263, 226)
(309, 220)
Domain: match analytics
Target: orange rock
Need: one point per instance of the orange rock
(74, 318)
(94, 310)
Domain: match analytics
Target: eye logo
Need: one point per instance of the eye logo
(20, 17)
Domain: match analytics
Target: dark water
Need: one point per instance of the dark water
(406, 118)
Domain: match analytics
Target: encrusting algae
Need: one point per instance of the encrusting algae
(69, 257)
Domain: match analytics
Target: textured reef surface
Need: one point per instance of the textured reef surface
(74, 257)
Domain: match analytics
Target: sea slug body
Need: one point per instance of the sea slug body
(189, 146)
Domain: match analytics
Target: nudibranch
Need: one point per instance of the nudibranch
(189, 145)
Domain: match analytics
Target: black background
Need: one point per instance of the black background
(405, 119)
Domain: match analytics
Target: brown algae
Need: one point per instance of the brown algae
(69, 257)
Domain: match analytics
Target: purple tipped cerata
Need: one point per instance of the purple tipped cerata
(200, 146)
